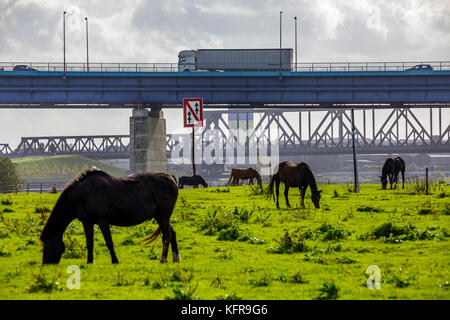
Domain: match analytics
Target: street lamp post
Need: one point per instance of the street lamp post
(295, 18)
(281, 13)
(64, 41)
(355, 154)
(87, 44)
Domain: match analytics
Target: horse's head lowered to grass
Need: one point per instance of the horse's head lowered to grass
(52, 250)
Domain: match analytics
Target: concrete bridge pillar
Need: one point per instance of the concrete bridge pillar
(148, 141)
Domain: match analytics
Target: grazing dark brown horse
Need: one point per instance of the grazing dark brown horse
(192, 181)
(244, 174)
(295, 175)
(390, 170)
(95, 197)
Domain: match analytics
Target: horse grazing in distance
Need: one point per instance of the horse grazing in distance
(192, 181)
(95, 197)
(295, 175)
(390, 170)
(244, 174)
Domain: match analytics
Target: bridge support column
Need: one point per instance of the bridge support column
(148, 141)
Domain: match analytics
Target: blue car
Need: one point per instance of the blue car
(420, 67)
(22, 67)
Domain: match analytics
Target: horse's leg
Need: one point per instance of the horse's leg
(277, 191)
(302, 195)
(108, 240)
(173, 242)
(403, 179)
(286, 193)
(167, 233)
(250, 181)
(229, 180)
(390, 178)
(89, 233)
(395, 180)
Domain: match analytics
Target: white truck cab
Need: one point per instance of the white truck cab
(186, 60)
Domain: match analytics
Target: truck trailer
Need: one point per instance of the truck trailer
(235, 60)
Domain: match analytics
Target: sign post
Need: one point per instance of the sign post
(193, 117)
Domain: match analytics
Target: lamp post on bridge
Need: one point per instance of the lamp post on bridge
(87, 45)
(64, 42)
(295, 19)
(281, 13)
(355, 155)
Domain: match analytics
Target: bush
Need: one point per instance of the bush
(365, 208)
(183, 293)
(425, 211)
(243, 215)
(217, 221)
(290, 244)
(6, 202)
(397, 234)
(43, 284)
(328, 291)
(327, 232)
(230, 234)
(74, 249)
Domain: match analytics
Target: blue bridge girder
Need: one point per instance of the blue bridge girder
(167, 89)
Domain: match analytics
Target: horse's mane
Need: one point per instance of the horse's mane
(60, 207)
(83, 176)
(309, 175)
(387, 165)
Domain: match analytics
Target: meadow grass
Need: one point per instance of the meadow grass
(237, 245)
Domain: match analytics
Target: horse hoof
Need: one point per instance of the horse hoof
(176, 257)
(163, 260)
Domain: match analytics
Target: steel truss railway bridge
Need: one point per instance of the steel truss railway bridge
(384, 96)
(396, 130)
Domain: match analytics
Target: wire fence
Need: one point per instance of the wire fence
(33, 187)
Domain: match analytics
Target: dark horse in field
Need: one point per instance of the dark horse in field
(390, 170)
(192, 181)
(295, 175)
(244, 174)
(95, 197)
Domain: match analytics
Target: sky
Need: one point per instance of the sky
(142, 31)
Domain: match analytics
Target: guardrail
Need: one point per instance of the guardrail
(173, 67)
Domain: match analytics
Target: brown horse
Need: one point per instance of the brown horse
(391, 169)
(95, 197)
(295, 175)
(244, 174)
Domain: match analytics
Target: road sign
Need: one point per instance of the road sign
(193, 112)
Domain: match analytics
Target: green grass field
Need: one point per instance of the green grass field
(237, 245)
(60, 167)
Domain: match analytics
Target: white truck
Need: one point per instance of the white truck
(235, 60)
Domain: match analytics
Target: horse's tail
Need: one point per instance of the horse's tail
(272, 182)
(146, 241)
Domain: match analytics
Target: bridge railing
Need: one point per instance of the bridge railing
(173, 67)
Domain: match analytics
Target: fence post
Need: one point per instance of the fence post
(41, 188)
(426, 180)
(28, 188)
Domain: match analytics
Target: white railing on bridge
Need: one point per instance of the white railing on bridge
(173, 67)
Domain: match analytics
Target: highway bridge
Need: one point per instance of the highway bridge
(378, 89)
